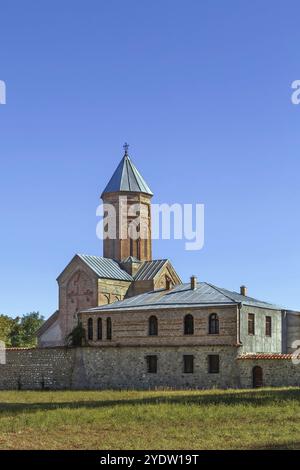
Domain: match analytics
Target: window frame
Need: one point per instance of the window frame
(90, 325)
(268, 326)
(99, 329)
(213, 368)
(188, 367)
(251, 321)
(188, 329)
(108, 329)
(151, 366)
(213, 324)
(152, 326)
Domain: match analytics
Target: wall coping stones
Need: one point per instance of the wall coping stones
(268, 356)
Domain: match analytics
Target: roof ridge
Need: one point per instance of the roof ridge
(130, 168)
(91, 256)
(219, 289)
(127, 166)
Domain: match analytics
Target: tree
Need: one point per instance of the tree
(29, 324)
(20, 331)
(15, 335)
(6, 325)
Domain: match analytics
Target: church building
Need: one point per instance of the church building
(145, 328)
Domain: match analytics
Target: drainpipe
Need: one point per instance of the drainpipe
(239, 324)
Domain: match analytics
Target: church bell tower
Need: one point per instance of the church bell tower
(127, 209)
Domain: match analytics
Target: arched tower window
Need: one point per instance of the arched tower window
(189, 325)
(99, 329)
(153, 326)
(90, 329)
(213, 324)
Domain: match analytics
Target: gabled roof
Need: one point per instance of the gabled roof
(106, 267)
(246, 300)
(183, 296)
(131, 259)
(47, 323)
(127, 178)
(150, 269)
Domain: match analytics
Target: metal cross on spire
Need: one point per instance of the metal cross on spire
(125, 147)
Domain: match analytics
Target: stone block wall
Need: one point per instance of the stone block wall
(115, 368)
(97, 368)
(127, 368)
(37, 369)
(276, 372)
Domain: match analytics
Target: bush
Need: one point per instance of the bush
(77, 336)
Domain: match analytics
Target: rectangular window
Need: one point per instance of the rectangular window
(213, 363)
(151, 364)
(268, 326)
(251, 324)
(188, 364)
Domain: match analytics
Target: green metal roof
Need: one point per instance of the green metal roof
(183, 296)
(127, 178)
(110, 269)
(106, 267)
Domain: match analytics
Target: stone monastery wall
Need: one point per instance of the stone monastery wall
(125, 368)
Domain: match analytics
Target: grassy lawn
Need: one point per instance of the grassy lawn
(214, 419)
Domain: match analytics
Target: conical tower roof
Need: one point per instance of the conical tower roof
(127, 178)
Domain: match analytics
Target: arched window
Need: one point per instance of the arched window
(189, 325)
(90, 329)
(213, 324)
(153, 326)
(99, 329)
(108, 328)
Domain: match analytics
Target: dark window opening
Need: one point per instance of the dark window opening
(213, 363)
(99, 329)
(151, 364)
(108, 329)
(188, 325)
(213, 324)
(188, 364)
(268, 326)
(131, 247)
(90, 329)
(153, 326)
(251, 324)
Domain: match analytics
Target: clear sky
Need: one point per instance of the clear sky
(201, 91)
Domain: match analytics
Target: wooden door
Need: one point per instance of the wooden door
(257, 374)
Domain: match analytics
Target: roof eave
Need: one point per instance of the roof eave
(154, 307)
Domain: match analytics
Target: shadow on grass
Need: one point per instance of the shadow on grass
(254, 398)
(278, 446)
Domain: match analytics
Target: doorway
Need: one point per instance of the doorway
(257, 377)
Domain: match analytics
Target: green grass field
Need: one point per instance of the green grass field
(214, 419)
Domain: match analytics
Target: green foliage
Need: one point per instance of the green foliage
(20, 331)
(6, 325)
(76, 337)
(30, 323)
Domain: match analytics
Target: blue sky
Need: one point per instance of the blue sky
(200, 90)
